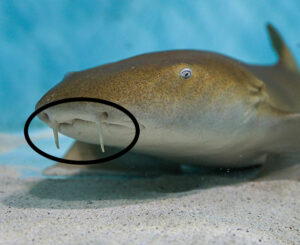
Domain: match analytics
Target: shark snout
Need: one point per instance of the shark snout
(49, 117)
(87, 122)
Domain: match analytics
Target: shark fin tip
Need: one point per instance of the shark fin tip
(286, 58)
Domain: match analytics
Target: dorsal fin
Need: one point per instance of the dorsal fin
(286, 57)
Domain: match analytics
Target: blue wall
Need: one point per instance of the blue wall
(41, 40)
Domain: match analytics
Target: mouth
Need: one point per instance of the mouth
(90, 128)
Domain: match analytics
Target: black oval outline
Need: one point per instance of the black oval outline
(101, 160)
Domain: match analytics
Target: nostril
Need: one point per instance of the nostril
(104, 115)
(44, 117)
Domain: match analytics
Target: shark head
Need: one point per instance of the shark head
(186, 102)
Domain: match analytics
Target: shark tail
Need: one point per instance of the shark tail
(286, 58)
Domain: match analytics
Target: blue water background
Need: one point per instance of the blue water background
(42, 40)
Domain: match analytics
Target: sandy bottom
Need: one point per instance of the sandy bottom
(9, 142)
(185, 209)
(202, 207)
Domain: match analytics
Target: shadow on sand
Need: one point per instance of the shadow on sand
(80, 192)
(108, 190)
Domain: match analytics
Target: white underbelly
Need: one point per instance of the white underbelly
(213, 149)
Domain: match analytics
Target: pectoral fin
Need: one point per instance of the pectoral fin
(288, 131)
(129, 164)
(280, 167)
(283, 130)
(78, 151)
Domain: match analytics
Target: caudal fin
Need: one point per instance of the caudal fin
(286, 57)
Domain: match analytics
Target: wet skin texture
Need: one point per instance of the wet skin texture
(226, 114)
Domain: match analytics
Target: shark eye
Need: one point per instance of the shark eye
(186, 73)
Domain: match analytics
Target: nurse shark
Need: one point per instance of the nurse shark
(193, 107)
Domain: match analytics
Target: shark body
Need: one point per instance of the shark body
(193, 107)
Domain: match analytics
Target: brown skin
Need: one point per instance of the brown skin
(283, 86)
(151, 83)
(213, 104)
